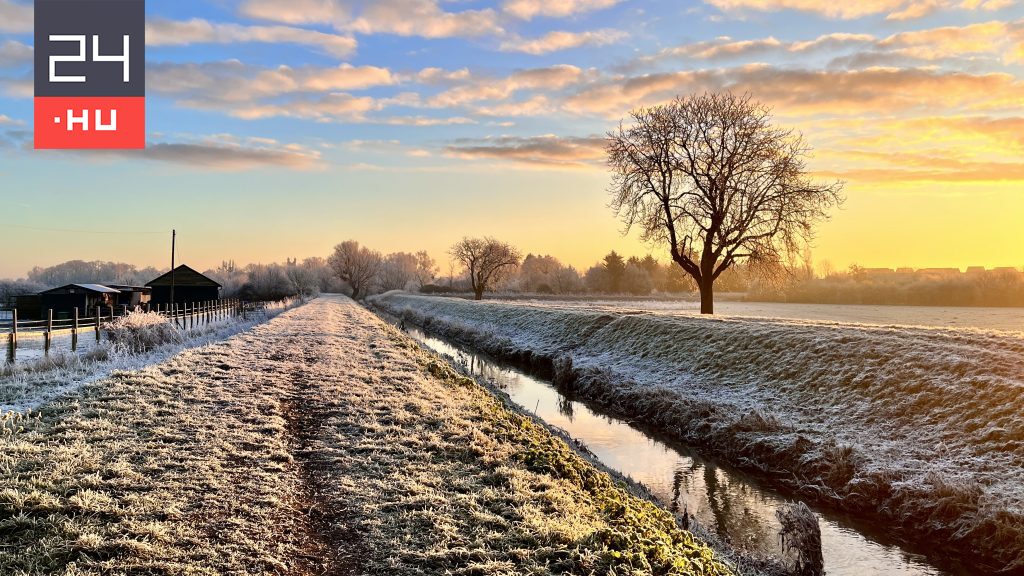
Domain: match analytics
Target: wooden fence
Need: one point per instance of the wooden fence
(184, 317)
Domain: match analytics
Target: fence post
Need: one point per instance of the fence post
(74, 332)
(49, 330)
(97, 323)
(12, 354)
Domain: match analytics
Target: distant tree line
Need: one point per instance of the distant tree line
(482, 265)
(1001, 287)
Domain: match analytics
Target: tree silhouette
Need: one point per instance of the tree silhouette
(485, 260)
(710, 177)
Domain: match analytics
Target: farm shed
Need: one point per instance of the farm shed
(189, 286)
(131, 296)
(28, 306)
(85, 297)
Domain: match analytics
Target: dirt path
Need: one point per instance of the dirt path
(322, 442)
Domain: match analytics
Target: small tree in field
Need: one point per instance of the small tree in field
(426, 268)
(485, 260)
(711, 178)
(356, 265)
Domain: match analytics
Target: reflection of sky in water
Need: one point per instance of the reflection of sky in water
(737, 510)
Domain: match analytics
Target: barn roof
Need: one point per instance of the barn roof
(183, 276)
(97, 288)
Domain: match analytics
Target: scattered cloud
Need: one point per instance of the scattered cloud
(14, 54)
(801, 92)
(425, 18)
(530, 9)
(221, 152)
(234, 81)
(16, 17)
(480, 88)
(558, 40)
(893, 9)
(163, 32)
(546, 150)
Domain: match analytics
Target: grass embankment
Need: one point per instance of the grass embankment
(914, 428)
(322, 442)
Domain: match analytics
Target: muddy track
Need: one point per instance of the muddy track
(331, 545)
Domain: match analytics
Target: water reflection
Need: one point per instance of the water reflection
(736, 508)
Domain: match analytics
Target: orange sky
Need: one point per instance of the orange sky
(277, 130)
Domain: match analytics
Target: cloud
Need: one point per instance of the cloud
(162, 32)
(557, 40)
(16, 17)
(423, 18)
(890, 167)
(989, 38)
(386, 147)
(798, 92)
(726, 48)
(14, 54)
(475, 89)
(546, 150)
(994, 39)
(233, 81)
(893, 9)
(222, 152)
(329, 107)
(530, 9)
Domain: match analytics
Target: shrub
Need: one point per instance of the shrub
(141, 332)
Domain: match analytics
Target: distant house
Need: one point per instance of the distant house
(131, 296)
(84, 297)
(189, 286)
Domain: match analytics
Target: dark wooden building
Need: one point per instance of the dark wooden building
(189, 286)
(85, 297)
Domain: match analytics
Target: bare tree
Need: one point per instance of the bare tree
(485, 260)
(356, 265)
(710, 176)
(398, 271)
(426, 268)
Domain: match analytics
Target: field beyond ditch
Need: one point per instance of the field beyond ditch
(321, 442)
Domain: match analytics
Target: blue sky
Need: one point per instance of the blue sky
(277, 129)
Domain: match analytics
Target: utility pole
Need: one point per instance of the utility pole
(174, 238)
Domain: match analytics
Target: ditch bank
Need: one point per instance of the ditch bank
(911, 429)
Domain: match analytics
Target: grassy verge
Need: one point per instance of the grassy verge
(320, 442)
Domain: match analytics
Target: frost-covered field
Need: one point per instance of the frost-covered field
(1011, 319)
(321, 442)
(129, 343)
(917, 427)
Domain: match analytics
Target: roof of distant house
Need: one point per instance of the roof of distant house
(97, 288)
(183, 276)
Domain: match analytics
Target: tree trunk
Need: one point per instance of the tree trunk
(478, 293)
(707, 296)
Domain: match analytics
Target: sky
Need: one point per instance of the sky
(279, 129)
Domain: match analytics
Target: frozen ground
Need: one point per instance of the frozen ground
(37, 378)
(1009, 319)
(916, 426)
(321, 442)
